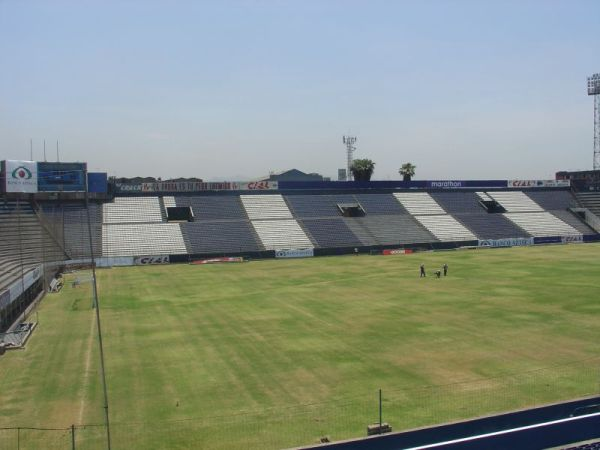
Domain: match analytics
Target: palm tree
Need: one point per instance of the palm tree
(362, 169)
(407, 171)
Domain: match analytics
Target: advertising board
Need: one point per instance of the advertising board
(396, 251)
(226, 259)
(61, 177)
(21, 176)
(509, 242)
(537, 183)
(446, 184)
(200, 186)
(150, 260)
(572, 238)
(259, 186)
(97, 182)
(295, 253)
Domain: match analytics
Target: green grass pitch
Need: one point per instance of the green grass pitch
(278, 353)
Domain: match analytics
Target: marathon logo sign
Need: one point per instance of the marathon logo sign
(21, 176)
(510, 242)
(151, 260)
(295, 253)
(446, 184)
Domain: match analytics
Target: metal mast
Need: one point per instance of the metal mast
(593, 84)
(349, 141)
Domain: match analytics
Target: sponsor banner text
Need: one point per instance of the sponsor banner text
(397, 251)
(509, 242)
(572, 238)
(188, 186)
(537, 183)
(446, 184)
(21, 176)
(149, 260)
(295, 253)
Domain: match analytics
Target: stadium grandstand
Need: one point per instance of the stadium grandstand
(55, 216)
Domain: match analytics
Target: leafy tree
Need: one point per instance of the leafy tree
(407, 171)
(362, 169)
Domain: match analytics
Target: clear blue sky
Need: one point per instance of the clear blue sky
(232, 90)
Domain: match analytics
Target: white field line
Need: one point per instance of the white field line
(86, 371)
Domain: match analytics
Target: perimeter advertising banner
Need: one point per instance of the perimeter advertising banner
(188, 186)
(21, 176)
(151, 260)
(537, 183)
(295, 253)
(508, 242)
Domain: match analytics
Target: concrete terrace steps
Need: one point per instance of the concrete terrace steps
(515, 201)
(261, 207)
(540, 224)
(419, 203)
(590, 200)
(281, 234)
(274, 223)
(132, 210)
(128, 239)
(446, 228)
(427, 211)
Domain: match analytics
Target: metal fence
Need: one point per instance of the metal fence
(331, 420)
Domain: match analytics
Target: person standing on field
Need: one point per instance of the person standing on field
(445, 267)
(422, 271)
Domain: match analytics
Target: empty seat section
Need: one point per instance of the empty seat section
(281, 234)
(446, 228)
(395, 230)
(142, 239)
(358, 228)
(214, 207)
(219, 237)
(169, 201)
(77, 237)
(554, 199)
(515, 201)
(331, 233)
(484, 196)
(380, 204)
(133, 210)
(419, 203)
(459, 202)
(571, 219)
(541, 224)
(491, 226)
(590, 200)
(317, 205)
(25, 242)
(265, 207)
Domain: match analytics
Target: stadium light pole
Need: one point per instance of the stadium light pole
(593, 88)
(97, 308)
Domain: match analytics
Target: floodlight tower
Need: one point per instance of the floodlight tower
(349, 141)
(593, 84)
